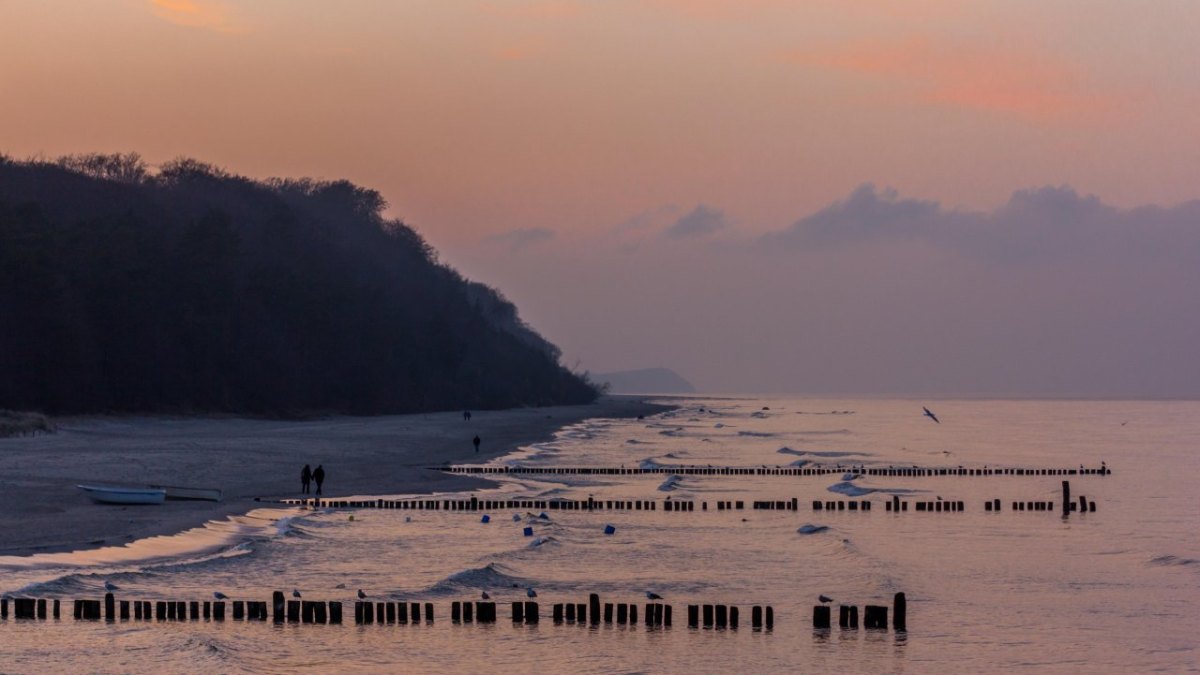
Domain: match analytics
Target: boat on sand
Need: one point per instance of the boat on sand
(106, 494)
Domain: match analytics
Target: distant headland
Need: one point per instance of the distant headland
(645, 381)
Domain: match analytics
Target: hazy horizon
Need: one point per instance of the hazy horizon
(991, 199)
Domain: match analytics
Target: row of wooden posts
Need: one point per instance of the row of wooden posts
(874, 616)
(369, 612)
(668, 505)
(685, 470)
(391, 612)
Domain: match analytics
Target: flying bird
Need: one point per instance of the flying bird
(361, 595)
(650, 595)
(220, 596)
(930, 415)
(825, 599)
(110, 586)
(295, 593)
(530, 593)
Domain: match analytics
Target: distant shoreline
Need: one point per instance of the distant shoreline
(41, 510)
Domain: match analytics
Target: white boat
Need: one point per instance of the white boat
(102, 494)
(180, 492)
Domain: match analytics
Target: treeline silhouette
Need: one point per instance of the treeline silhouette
(191, 289)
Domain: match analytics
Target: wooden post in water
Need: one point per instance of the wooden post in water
(429, 612)
(876, 617)
(558, 612)
(756, 617)
(821, 616)
(518, 611)
(219, 610)
(277, 606)
(239, 610)
(693, 616)
(594, 608)
(335, 612)
(708, 616)
(531, 612)
(900, 612)
(1066, 487)
(722, 618)
(622, 613)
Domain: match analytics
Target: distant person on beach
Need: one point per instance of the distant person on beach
(476, 442)
(466, 415)
(319, 477)
(305, 478)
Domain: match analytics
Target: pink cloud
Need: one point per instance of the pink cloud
(208, 14)
(1025, 82)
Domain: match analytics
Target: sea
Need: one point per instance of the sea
(1112, 590)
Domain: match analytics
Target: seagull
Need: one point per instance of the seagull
(110, 586)
(295, 593)
(930, 415)
(825, 599)
(530, 593)
(485, 595)
(361, 595)
(220, 596)
(650, 595)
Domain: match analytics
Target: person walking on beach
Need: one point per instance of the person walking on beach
(476, 442)
(305, 479)
(319, 477)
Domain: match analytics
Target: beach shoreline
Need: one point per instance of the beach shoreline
(41, 510)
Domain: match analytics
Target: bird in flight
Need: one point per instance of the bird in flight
(650, 595)
(930, 415)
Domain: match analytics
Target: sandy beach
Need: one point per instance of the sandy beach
(41, 510)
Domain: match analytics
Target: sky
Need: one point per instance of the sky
(828, 196)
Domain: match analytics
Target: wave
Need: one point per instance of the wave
(1173, 561)
(671, 483)
(756, 434)
(809, 528)
(788, 451)
(491, 575)
(850, 489)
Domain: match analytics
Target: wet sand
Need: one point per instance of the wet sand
(41, 510)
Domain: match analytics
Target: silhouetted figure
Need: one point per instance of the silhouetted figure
(466, 415)
(476, 442)
(305, 479)
(319, 477)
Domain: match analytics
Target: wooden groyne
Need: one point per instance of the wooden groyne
(696, 470)
(894, 504)
(875, 617)
(389, 612)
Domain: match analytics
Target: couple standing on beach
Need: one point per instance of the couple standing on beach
(307, 476)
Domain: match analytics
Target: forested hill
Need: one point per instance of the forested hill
(193, 290)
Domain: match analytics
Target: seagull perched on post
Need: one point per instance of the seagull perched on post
(295, 593)
(110, 586)
(530, 593)
(220, 596)
(930, 415)
(485, 595)
(825, 599)
(361, 595)
(650, 595)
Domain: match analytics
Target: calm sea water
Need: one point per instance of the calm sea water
(1117, 590)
